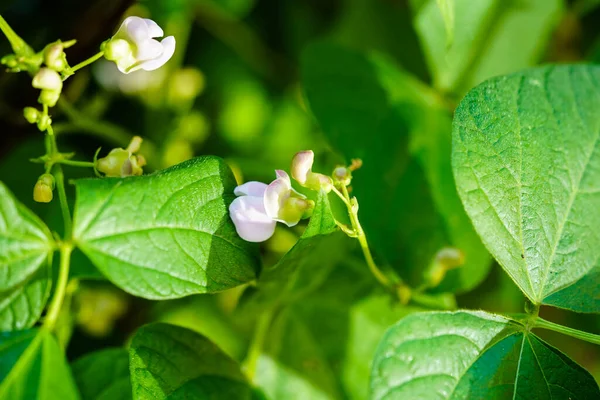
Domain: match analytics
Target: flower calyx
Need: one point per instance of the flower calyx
(123, 162)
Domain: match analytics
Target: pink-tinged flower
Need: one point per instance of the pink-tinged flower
(133, 47)
(248, 213)
(302, 172)
(283, 203)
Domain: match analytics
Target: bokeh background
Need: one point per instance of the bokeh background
(233, 89)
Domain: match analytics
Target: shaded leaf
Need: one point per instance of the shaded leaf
(527, 162)
(32, 366)
(167, 361)
(164, 235)
(371, 110)
(103, 375)
(26, 245)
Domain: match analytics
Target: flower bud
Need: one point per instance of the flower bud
(117, 49)
(342, 175)
(446, 259)
(302, 172)
(42, 191)
(31, 114)
(47, 79)
(54, 57)
(44, 122)
(49, 97)
(122, 162)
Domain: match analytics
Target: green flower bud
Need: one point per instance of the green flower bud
(10, 61)
(117, 49)
(32, 115)
(446, 259)
(47, 79)
(42, 191)
(122, 162)
(44, 122)
(54, 57)
(49, 97)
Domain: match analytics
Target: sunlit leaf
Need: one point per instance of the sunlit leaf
(527, 162)
(164, 235)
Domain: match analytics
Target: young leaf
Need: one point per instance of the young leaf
(167, 361)
(103, 375)
(491, 37)
(306, 265)
(26, 245)
(526, 161)
(164, 235)
(371, 110)
(472, 355)
(34, 367)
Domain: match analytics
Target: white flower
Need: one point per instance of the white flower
(248, 213)
(302, 172)
(133, 47)
(259, 206)
(283, 203)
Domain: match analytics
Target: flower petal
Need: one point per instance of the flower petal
(253, 188)
(168, 45)
(302, 164)
(153, 28)
(136, 29)
(148, 50)
(250, 220)
(277, 193)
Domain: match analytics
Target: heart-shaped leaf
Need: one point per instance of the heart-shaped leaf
(26, 245)
(167, 361)
(526, 157)
(103, 375)
(164, 235)
(472, 355)
(33, 367)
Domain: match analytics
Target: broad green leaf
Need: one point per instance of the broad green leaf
(164, 235)
(103, 375)
(32, 366)
(472, 355)
(306, 265)
(293, 365)
(369, 319)
(527, 162)
(167, 361)
(369, 109)
(491, 37)
(26, 245)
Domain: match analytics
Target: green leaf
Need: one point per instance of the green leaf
(472, 355)
(526, 159)
(26, 245)
(167, 361)
(306, 265)
(32, 366)
(293, 365)
(447, 10)
(164, 235)
(491, 37)
(369, 320)
(103, 375)
(369, 109)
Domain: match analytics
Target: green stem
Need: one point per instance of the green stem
(61, 285)
(84, 164)
(258, 341)
(18, 45)
(362, 239)
(62, 196)
(588, 337)
(84, 63)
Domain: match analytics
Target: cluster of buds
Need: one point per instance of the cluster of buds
(258, 207)
(133, 47)
(123, 162)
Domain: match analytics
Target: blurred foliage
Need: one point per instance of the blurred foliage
(238, 87)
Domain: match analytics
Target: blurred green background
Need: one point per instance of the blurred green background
(234, 89)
